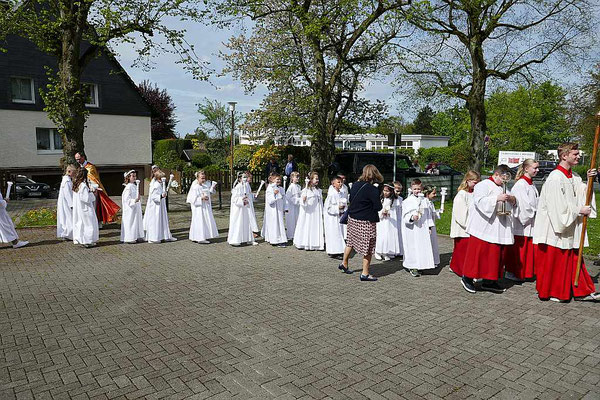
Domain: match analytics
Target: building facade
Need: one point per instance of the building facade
(117, 136)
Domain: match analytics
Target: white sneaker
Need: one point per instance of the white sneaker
(171, 239)
(20, 243)
(554, 299)
(386, 258)
(204, 242)
(378, 256)
(589, 297)
(254, 243)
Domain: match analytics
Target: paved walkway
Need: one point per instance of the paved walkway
(184, 320)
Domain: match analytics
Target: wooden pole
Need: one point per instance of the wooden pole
(588, 200)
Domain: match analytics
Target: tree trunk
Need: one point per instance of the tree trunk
(476, 105)
(322, 143)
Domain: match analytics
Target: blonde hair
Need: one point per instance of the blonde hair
(311, 177)
(371, 174)
(71, 167)
(527, 163)
(470, 175)
(294, 174)
(160, 174)
(198, 173)
(565, 148)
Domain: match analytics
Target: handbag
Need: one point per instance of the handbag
(344, 217)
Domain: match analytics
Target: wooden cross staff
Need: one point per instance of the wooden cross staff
(588, 201)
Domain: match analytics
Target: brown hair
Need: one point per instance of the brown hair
(565, 148)
(71, 167)
(371, 174)
(311, 176)
(416, 181)
(80, 176)
(502, 169)
(470, 175)
(160, 174)
(527, 163)
(126, 179)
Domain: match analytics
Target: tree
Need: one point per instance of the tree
(163, 116)
(313, 56)
(215, 118)
(75, 32)
(422, 123)
(460, 47)
(585, 107)
(453, 122)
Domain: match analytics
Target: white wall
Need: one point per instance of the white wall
(109, 140)
(428, 143)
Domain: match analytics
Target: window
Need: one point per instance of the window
(22, 90)
(48, 141)
(406, 144)
(91, 92)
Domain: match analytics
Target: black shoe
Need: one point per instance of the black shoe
(282, 245)
(369, 278)
(468, 284)
(345, 270)
(493, 286)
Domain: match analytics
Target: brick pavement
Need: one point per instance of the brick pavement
(184, 320)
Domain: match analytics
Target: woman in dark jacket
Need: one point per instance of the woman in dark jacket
(362, 219)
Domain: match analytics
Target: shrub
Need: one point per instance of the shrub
(301, 153)
(458, 156)
(581, 170)
(261, 157)
(242, 154)
(162, 147)
(170, 160)
(201, 160)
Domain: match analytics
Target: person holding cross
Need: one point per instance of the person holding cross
(558, 229)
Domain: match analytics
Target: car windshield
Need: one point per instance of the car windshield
(23, 179)
(383, 162)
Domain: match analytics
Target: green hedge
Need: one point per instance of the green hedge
(458, 156)
(162, 147)
(201, 160)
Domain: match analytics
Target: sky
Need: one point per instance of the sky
(186, 92)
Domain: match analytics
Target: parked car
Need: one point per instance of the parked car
(25, 187)
(351, 164)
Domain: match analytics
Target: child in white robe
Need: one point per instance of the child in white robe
(64, 206)
(432, 215)
(387, 245)
(398, 192)
(309, 229)
(203, 226)
(132, 226)
(335, 205)
(416, 236)
(8, 234)
(85, 222)
(273, 229)
(156, 219)
(241, 215)
(292, 204)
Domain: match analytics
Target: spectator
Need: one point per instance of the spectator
(416, 165)
(272, 167)
(362, 220)
(291, 166)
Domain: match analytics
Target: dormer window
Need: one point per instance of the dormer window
(91, 92)
(22, 90)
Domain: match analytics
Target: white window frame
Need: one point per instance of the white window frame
(95, 104)
(51, 132)
(31, 87)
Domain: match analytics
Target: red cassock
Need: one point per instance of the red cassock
(519, 257)
(106, 209)
(555, 270)
(459, 255)
(483, 260)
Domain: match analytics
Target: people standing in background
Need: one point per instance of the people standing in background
(64, 205)
(271, 167)
(335, 205)
(291, 166)
(85, 222)
(132, 225)
(519, 261)
(458, 224)
(292, 204)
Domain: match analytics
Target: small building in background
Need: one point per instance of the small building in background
(117, 136)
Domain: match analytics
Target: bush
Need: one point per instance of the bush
(242, 154)
(170, 160)
(301, 153)
(162, 147)
(581, 170)
(201, 160)
(458, 156)
(261, 157)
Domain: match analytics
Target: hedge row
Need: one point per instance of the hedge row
(458, 156)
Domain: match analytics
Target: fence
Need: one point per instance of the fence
(450, 181)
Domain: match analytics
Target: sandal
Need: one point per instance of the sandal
(369, 278)
(344, 269)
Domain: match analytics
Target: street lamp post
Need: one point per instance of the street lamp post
(232, 109)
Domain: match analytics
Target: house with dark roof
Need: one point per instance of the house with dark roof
(117, 136)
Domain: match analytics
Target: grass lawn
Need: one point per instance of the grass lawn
(37, 217)
(443, 227)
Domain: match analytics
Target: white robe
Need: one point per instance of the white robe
(64, 209)
(7, 228)
(460, 214)
(334, 231)
(132, 226)
(241, 216)
(292, 208)
(557, 222)
(484, 223)
(433, 215)
(85, 222)
(203, 225)
(273, 229)
(388, 239)
(416, 238)
(309, 229)
(524, 214)
(399, 223)
(156, 219)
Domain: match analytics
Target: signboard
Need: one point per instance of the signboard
(514, 158)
